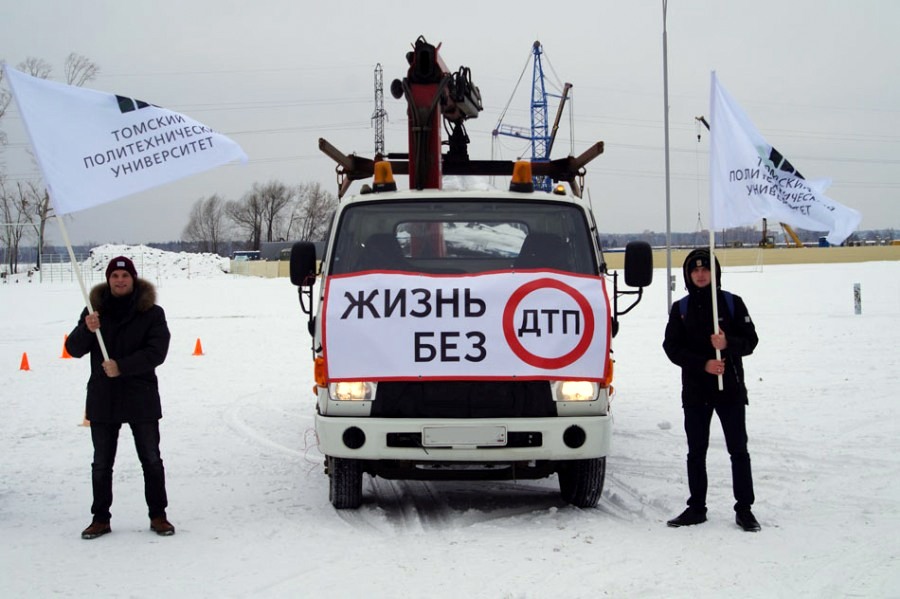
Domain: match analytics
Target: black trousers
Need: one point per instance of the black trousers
(696, 425)
(105, 436)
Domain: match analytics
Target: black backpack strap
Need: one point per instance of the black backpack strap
(729, 301)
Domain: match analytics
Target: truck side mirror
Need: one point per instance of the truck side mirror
(303, 264)
(638, 264)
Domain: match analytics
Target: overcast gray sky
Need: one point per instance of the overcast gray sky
(819, 78)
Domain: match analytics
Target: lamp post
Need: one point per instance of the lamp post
(669, 282)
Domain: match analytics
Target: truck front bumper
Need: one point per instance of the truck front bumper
(465, 440)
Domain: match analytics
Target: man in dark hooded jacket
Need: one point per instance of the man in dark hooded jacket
(124, 388)
(691, 342)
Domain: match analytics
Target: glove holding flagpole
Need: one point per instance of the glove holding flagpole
(750, 180)
(94, 147)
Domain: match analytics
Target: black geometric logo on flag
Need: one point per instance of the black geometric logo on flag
(129, 105)
(782, 164)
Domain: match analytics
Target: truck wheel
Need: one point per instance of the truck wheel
(581, 481)
(344, 483)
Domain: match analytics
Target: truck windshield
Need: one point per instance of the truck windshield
(463, 237)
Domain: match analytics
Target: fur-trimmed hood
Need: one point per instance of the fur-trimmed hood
(136, 336)
(144, 295)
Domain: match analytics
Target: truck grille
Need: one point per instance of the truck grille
(464, 399)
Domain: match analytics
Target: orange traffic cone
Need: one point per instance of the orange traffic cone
(24, 365)
(198, 348)
(65, 352)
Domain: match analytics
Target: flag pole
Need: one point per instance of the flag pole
(77, 269)
(715, 295)
(712, 234)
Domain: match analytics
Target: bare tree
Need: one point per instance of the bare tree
(247, 216)
(312, 212)
(5, 96)
(5, 99)
(36, 67)
(37, 212)
(274, 198)
(260, 213)
(206, 225)
(13, 211)
(80, 69)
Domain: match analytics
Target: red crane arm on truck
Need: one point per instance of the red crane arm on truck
(433, 93)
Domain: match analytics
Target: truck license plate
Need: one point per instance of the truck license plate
(444, 436)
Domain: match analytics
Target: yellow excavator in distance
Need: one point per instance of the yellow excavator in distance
(790, 236)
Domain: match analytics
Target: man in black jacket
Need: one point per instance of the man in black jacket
(124, 388)
(691, 342)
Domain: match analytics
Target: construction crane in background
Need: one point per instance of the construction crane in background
(540, 134)
(380, 114)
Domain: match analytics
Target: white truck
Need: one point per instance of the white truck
(461, 334)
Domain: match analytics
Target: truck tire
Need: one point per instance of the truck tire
(581, 481)
(344, 483)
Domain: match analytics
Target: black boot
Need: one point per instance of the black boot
(747, 521)
(688, 517)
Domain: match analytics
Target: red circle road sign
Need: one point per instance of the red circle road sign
(540, 361)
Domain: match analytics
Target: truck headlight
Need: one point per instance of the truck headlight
(575, 391)
(352, 391)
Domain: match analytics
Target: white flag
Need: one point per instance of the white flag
(750, 180)
(94, 147)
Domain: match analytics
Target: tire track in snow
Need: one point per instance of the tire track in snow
(409, 505)
(412, 506)
(240, 426)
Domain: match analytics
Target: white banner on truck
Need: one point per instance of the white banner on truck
(534, 325)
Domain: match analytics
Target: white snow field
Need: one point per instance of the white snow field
(249, 498)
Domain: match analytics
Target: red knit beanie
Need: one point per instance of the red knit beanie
(121, 263)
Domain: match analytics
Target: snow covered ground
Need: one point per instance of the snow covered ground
(250, 501)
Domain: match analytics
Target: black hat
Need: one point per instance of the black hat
(121, 263)
(699, 257)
